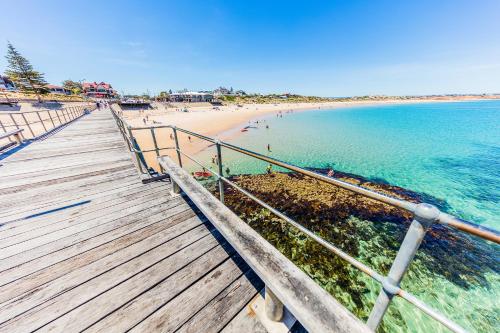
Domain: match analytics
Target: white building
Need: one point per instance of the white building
(191, 97)
(57, 90)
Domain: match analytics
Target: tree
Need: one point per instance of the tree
(21, 72)
(73, 86)
(164, 96)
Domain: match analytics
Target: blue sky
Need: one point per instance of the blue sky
(326, 48)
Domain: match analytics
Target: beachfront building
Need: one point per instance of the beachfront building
(98, 90)
(192, 96)
(58, 90)
(6, 84)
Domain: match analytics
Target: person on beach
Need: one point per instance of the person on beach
(213, 160)
(189, 138)
(144, 120)
(171, 136)
(330, 173)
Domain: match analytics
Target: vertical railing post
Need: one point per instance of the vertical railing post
(13, 120)
(425, 216)
(5, 130)
(177, 145)
(122, 129)
(153, 135)
(51, 120)
(219, 162)
(135, 149)
(273, 306)
(64, 116)
(27, 124)
(58, 118)
(43, 124)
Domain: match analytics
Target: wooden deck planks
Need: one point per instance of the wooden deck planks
(84, 245)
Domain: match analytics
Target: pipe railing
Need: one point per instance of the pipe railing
(425, 215)
(39, 122)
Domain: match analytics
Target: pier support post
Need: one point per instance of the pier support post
(176, 190)
(274, 307)
(425, 216)
(177, 146)
(219, 162)
(135, 152)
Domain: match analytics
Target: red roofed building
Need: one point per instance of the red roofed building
(98, 90)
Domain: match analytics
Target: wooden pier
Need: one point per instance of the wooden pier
(86, 246)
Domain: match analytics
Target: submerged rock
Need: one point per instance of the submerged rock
(366, 229)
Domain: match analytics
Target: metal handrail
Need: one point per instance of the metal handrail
(56, 119)
(424, 216)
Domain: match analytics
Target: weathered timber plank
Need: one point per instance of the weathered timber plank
(220, 310)
(61, 295)
(53, 237)
(177, 271)
(176, 312)
(316, 310)
(58, 211)
(245, 321)
(46, 224)
(61, 193)
(67, 264)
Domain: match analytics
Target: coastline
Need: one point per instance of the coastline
(226, 122)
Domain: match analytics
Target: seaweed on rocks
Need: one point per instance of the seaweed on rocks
(364, 228)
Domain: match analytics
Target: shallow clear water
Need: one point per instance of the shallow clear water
(449, 151)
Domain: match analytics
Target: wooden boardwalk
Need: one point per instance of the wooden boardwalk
(85, 246)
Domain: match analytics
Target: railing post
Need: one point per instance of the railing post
(273, 306)
(156, 146)
(64, 116)
(52, 120)
(14, 120)
(219, 162)
(58, 118)
(176, 190)
(425, 216)
(27, 124)
(122, 129)
(39, 117)
(5, 130)
(135, 152)
(174, 128)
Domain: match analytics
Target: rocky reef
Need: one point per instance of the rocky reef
(366, 229)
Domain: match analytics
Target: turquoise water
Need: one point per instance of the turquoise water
(448, 151)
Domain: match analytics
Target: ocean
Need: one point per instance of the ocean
(447, 151)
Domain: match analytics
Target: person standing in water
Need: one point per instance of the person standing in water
(268, 147)
(269, 169)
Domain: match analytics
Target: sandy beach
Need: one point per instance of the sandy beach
(226, 121)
